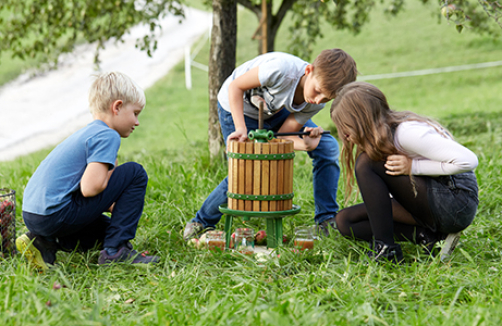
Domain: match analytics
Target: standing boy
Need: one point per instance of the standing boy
(66, 197)
(293, 91)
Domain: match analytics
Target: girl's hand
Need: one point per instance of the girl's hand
(398, 165)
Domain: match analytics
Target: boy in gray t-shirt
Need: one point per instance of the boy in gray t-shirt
(292, 91)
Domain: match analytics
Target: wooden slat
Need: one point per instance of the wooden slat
(273, 175)
(242, 170)
(265, 172)
(235, 179)
(230, 175)
(280, 175)
(248, 181)
(257, 176)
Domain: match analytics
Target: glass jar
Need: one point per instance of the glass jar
(304, 238)
(244, 241)
(215, 240)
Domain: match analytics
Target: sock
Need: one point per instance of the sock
(111, 251)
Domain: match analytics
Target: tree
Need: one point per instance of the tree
(221, 63)
(45, 29)
(308, 15)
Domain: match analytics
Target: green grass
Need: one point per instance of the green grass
(333, 285)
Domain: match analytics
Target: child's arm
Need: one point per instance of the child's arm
(433, 154)
(307, 143)
(95, 179)
(236, 90)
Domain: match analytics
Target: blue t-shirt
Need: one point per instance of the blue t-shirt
(52, 184)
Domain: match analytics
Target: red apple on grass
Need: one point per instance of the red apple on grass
(260, 238)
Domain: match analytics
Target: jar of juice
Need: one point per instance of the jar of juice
(244, 241)
(215, 239)
(304, 238)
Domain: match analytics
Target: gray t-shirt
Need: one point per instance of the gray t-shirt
(279, 74)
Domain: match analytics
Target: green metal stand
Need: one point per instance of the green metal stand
(274, 222)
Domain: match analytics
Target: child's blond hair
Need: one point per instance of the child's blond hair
(109, 87)
(334, 68)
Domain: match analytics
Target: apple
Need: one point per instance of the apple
(232, 240)
(6, 207)
(193, 243)
(260, 238)
(202, 244)
(447, 11)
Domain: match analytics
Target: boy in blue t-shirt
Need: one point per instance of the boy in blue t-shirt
(292, 91)
(79, 180)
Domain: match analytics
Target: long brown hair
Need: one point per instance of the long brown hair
(366, 124)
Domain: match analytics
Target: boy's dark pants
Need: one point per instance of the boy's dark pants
(83, 223)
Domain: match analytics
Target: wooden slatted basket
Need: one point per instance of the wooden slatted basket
(260, 175)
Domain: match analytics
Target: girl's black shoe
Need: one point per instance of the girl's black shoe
(428, 240)
(382, 252)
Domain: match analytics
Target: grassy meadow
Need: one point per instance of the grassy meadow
(334, 284)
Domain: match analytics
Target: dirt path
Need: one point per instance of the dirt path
(39, 112)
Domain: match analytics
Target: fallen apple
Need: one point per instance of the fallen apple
(260, 238)
(202, 244)
(193, 243)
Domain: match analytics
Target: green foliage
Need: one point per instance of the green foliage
(310, 18)
(483, 16)
(48, 28)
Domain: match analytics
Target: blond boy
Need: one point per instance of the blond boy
(66, 197)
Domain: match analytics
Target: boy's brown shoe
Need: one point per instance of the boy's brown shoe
(39, 252)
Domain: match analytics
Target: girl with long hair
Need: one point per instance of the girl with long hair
(416, 181)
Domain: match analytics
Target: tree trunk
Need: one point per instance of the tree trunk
(221, 64)
(273, 21)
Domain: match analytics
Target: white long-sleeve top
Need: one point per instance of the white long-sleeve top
(433, 154)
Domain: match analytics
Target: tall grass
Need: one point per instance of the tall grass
(333, 285)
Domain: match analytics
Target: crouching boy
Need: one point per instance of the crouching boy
(66, 197)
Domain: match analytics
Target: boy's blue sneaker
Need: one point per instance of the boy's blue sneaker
(126, 255)
(39, 252)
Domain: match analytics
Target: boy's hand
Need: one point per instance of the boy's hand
(398, 165)
(239, 135)
(314, 132)
(95, 179)
(312, 140)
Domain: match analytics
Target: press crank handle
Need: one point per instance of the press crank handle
(298, 133)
